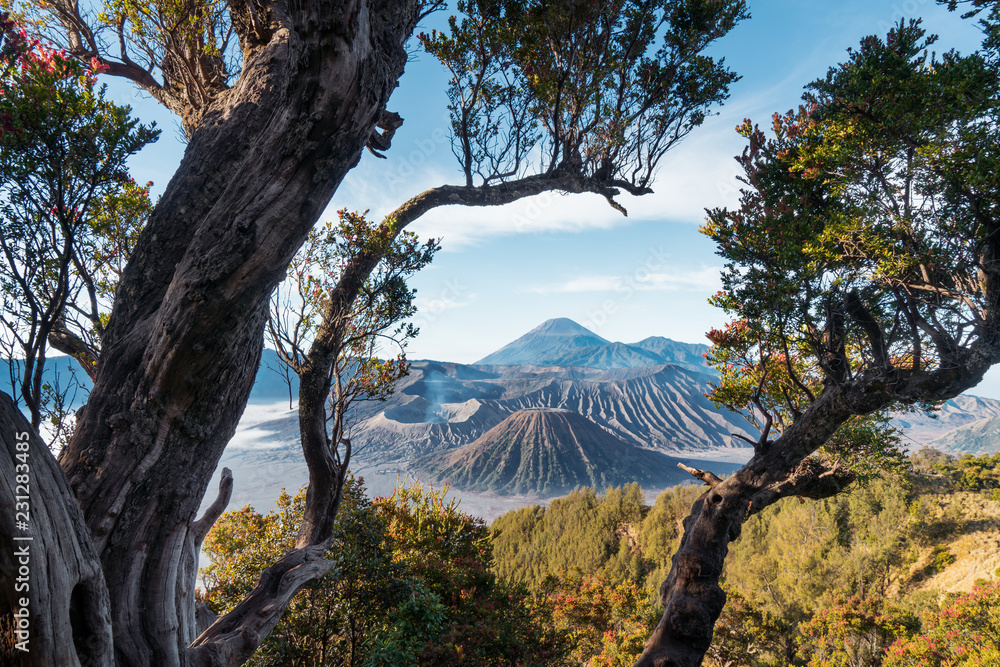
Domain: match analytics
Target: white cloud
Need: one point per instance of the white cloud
(642, 280)
(461, 226)
(428, 308)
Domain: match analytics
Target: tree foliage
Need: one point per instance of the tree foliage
(411, 585)
(585, 532)
(835, 581)
(861, 276)
(332, 621)
(854, 632)
(383, 304)
(70, 212)
(598, 90)
(749, 634)
(965, 632)
(185, 54)
(858, 248)
(606, 624)
(354, 364)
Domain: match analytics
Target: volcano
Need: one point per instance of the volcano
(548, 452)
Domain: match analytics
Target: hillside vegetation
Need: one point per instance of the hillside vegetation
(897, 573)
(831, 582)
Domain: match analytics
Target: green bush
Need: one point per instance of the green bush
(940, 559)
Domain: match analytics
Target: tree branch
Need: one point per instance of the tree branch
(67, 342)
(212, 513)
(709, 478)
(860, 314)
(810, 479)
(233, 638)
(388, 122)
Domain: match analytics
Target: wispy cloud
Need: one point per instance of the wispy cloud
(249, 436)
(439, 305)
(704, 279)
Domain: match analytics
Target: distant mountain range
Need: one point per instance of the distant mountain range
(530, 416)
(65, 372)
(442, 405)
(980, 438)
(566, 405)
(547, 452)
(960, 425)
(649, 394)
(635, 402)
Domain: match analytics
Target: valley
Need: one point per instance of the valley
(644, 398)
(636, 410)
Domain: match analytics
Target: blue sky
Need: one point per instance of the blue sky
(503, 271)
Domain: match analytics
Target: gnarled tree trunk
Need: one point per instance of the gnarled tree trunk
(185, 335)
(691, 595)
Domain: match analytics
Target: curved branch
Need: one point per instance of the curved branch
(811, 479)
(508, 192)
(67, 342)
(859, 313)
(201, 527)
(233, 638)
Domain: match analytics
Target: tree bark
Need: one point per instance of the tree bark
(185, 335)
(46, 559)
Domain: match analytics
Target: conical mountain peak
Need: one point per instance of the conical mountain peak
(563, 326)
(546, 345)
(563, 342)
(548, 451)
